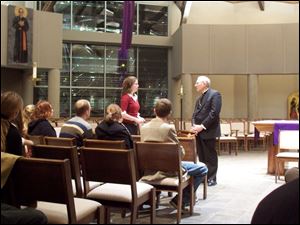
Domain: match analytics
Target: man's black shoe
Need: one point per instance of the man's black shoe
(211, 182)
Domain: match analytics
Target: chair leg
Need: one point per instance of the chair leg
(179, 206)
(107, 215)
(133, 214)
(153, 206)
(205, 187)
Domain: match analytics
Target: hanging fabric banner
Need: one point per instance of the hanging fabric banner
(127, 27)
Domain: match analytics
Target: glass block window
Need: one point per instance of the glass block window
(88, 15)
(153, 20)
(87, 65)
(106, 16)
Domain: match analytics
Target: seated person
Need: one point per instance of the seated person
(281, 206)
(40, 125)
(13, 215)
(78, 127)
(112, 128)
(291, 174)
(159, 130)
(11, 139)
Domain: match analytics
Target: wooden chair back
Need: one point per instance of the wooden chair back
(189, 145)
(59, 141)
(37, 139)
(93, 143)
(48, 181)
(165, 157)
(114, 166)
(43, 180)
(61, 152)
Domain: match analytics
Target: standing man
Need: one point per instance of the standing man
(206, 125)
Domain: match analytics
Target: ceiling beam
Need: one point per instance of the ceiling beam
(261, 5)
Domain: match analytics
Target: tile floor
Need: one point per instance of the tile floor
(242, 183)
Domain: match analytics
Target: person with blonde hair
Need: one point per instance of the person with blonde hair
(27, 116)
(11, 139)
(40, 126)
(112, 128)
(78, 127)
(130, 105)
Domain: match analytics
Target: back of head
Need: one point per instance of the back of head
(81, 107)
(113, 113)
(163, 107)
(204, 79)
(28, 111)
(42, 110)
(127, 84)
(11, 104)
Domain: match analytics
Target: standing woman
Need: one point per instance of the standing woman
(11, 106)
(130, 105)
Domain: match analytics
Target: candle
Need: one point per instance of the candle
(181, 90)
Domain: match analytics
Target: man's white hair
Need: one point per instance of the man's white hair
(204, 79)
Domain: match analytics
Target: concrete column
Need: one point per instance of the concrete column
(28, 88)
(188, 104)
(54, 90)
(253, 97)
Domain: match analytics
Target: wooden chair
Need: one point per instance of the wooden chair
(49, 183)
(116, 168)
(189, 145)
(136, 138)
(62, 152)
(288, 141)
(165, 157)
(93, 143)
(228, 139)
(37, 140)
(59, 141)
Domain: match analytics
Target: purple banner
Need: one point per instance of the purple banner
(127, 27)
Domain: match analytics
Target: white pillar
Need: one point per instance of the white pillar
(54, 91)
(27, 88)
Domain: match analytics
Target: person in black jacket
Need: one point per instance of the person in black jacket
(112, 128)
(281, 206)
(206, 125)
(11, 139)
(40, 126)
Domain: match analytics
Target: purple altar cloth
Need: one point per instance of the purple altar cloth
(283, 126)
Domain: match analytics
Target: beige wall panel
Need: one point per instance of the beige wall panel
(47, 39)
(3, 35)
(195, 48)
(229, 49)
(265, 49)
(240, 96)
(177, 53)
(273, 93)
(291, 38)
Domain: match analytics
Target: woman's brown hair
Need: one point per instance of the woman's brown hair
(127, 84)
(42, 110)
(113, 113)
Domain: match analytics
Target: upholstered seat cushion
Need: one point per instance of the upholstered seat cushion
(118, 192)
(57, 213)
(92, 185)
(288, 155)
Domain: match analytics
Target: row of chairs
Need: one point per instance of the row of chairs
(43, 150)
